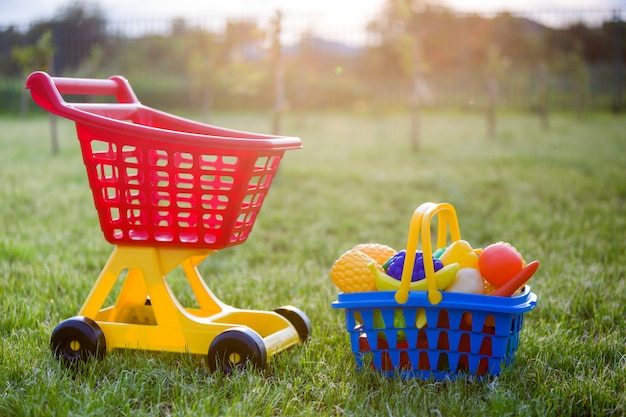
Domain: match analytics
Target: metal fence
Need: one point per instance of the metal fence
(560, 59)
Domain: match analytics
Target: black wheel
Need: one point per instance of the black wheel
(298, 319)
(77, 339)
(235, 349)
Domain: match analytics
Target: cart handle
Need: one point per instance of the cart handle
(147, 123)
(47, 92)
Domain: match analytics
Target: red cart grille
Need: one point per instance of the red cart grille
(163, 193)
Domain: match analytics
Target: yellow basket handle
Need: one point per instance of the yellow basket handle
(420, 222)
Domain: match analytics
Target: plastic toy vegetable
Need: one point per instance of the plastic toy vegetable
(517, 281)
(468, 281)
(460, 252)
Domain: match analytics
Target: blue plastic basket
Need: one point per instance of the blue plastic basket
(467, 335)
(452, 343)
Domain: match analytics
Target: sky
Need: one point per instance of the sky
(23, 12)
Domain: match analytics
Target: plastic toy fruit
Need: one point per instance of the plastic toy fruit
(499, 262)
(396, 264)
(468, 281)
(443, 277)
(378, 252)
(350, 273)
(460, 252)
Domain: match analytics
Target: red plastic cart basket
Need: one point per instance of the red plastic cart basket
(465, 335)
(158, 179)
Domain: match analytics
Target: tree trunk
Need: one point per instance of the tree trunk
(279, 77)
(54, 137)
(414, 99)
(492, 87)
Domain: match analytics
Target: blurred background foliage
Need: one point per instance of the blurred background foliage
(410, 50)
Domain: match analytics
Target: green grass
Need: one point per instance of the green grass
(558, 196)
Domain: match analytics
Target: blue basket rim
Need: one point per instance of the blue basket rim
(521, 303)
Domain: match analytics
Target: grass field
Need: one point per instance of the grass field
(558, 196)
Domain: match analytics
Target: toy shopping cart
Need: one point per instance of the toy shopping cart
(429, 334)
(169, 192)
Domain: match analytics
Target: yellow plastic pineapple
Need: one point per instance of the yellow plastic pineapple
(350, 273)
(380, 253)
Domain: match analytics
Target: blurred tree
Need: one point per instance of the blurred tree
(201, 51)
(496, 65)
(243, 74)
(593, 43)
(616, 29)
(543, 94)
(76, 29)
(9, 38)
(406, 29)
(278, 71)
(518, 38)
(409, 42)
(37, 57)
(579, 73)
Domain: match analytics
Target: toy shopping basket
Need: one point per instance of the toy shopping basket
(168, 191)
(429, 334)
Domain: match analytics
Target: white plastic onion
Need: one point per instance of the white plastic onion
(468, 281)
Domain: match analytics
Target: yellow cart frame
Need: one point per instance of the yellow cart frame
(148, 316)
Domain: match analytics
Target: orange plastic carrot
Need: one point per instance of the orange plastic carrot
(517, 281)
